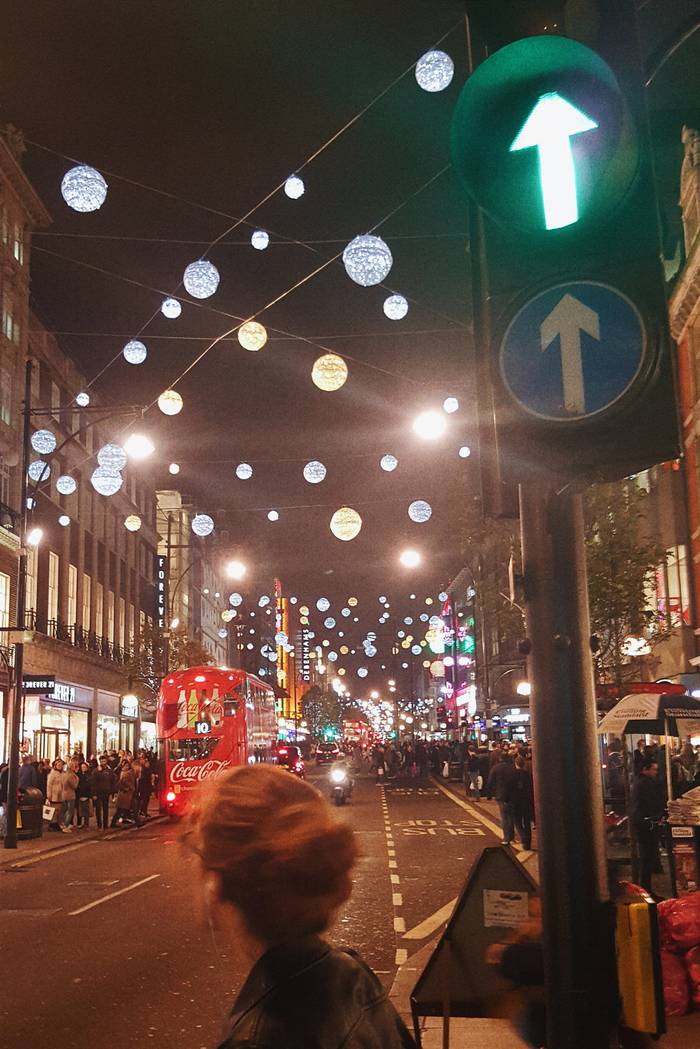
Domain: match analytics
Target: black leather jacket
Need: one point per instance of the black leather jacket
(311, 996)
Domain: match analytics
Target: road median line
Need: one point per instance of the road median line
(112, 896)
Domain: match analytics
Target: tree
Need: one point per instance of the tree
(147, 665)
(321, 710)
(622, 562)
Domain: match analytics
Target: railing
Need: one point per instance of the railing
(76, 636)
(9, 518)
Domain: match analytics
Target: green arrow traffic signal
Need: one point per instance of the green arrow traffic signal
(549, 128)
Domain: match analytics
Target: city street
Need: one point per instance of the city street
(110, 943)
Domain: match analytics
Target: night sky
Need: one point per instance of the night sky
(212, 104)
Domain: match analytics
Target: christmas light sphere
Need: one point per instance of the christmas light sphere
(352, 601)
(171, 308)
(244, 471)
(39, 470)
(415, 650)
(82, 399)
(83, 188)
(132, 523)
(465, 451)
(170, 402)
(434, 71)
(323, 604)
(304, 610)
(235, 599)
(332, 656)
(437, 668)
(395, 307)
(346, 524)
(252, 336)
(423, 617)
(281, 639)
(273, 515)
(294, 187)
(344, 650)
(408, 620)
(222, 632)
(201, 279)
(329, 372)
(329, 623)
(202, 525)
(388, 463)
(362, 671)
(370, 651)
(314, 472)
(66, 485)
(260, 239)
(263, 601)
(450, 405)
(345, 612)
(228, 614)
(43, 442)
(443, 595)
(367, 260)
(420, 511)
(135, 352)
(106, 481)
(174, 468)
(112, 457)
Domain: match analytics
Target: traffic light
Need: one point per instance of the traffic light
(550, 138)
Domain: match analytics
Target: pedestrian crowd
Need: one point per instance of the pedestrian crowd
(75, 790)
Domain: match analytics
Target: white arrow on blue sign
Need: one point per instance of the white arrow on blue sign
(573, 351)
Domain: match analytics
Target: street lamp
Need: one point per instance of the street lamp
(523, 688)
(430, 425)
(138, 446)
(410, 558)
(236, 570)
(34, 536)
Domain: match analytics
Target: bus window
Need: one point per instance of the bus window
(197, 749)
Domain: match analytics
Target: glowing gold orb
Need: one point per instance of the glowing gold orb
(252, 335)
(329, 372)
(346, 524)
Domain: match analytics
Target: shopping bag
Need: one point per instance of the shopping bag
(446, 770)
(48, 812)
(480, 782)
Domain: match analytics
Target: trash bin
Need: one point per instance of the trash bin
(31, 803)
(456, 771)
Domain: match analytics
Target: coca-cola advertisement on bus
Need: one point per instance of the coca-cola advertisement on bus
(210, 719)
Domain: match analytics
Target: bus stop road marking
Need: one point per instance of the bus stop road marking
(112, 895)
(473, 811)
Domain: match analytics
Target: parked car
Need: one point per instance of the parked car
(289, 757)
(327, 753)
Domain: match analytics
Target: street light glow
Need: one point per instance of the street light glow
(34, 536)
(235, 570)
(410, 558)
(523, 688)
(430, 425)
(138, 446)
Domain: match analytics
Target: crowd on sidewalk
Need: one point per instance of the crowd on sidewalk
(114, 787)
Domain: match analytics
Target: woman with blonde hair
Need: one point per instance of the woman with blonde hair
(275, 868)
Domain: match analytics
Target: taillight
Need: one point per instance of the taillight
(170, 796)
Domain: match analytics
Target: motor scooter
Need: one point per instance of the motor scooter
(341, 783)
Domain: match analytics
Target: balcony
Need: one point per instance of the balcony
(77, 637)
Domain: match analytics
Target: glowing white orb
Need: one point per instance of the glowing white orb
(395, 307)
(362, 671)
(235, 599)
(64, 520)
(314, 472)
(410, 558)
(82, 399)
(434, 71)
(202, 524)
(294, 187)
(39, 470)
(43, 442)
(332, 656)
(443, 595)
(106, 481)
(222, 632)
(429, 425)
(420, 511)
(228, 614)
(66, 485)
(112, 457)
(135, 352)
(171, 308)
(260, 239)
(329, 372)
(252, 336)
(132, 523)
(345, 612)
(264, 600)
(388, 463)
(423, 617)
(367, 260)
(465, 451)
(138, 446)
(174, 468)
(370, 651)
(201, 279)
(170, 402)
(450, 405)
(244, 471)
(346, 524)
(273, 515)
(329, 623)
(83, 188)
(415, 650)
(323, 604)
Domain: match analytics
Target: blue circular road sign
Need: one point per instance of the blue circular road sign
(573, 351)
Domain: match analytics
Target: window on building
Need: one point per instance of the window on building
(130, 632)
(31, 578)
(54, 563)
(87, 587)
(4, 600)
(122, 622)
(18, 243)
(5, 485)
(110, 615)
(55, 401)
(10, 324)
(72, 595)
(6, 371)
(99, 609)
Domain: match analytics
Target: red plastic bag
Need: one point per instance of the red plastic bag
(692, 964)
(675, 977)
(679, 923)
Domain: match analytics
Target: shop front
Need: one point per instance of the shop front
(58, 724)
(512, 723)
(117, 722)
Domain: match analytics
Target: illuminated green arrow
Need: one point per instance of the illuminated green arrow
(550, 127)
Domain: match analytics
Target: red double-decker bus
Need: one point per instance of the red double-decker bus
(209, 719)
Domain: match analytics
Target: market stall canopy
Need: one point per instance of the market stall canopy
(657, 713)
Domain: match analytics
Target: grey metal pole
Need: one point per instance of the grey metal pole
(15, 707)
(580, 983)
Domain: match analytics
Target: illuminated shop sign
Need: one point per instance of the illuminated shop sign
(162, 588)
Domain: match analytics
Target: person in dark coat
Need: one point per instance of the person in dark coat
(522, 800)
(500, 787)
(275, 867)
(647, 806)
(103, 784)
(27, 774)
(145, 786)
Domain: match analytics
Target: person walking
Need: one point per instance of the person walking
(647, 805)
(522, 800)
(145, 786)
(54, 792)
(275, 867)
(103, 784)
(70, 787)
(472, 773)
(500, 787)
(83, 796)
(126, 789)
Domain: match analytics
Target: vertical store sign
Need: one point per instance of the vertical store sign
(162, 589)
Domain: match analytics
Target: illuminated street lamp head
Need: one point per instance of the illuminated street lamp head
(34, 536)
(235, 570)
(138, 446)
(523, 688)
(374, 695)
(430, 425)
(410, 558)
